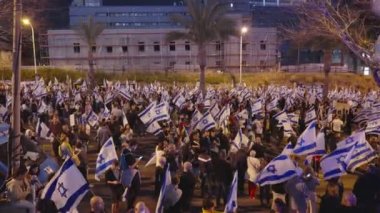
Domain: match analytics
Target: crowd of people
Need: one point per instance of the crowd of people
(243, 135)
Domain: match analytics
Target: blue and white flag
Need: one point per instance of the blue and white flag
(43, 131)
(360, 154)
(372, 125)
(109, 98)
(257, 107)
(47, 167)
(179, 100)
(223, 114)
(320, 147)
(206, 122)
(148, 113)
(106, 113)
(167, 180)
(214, 110)
(92, 118)
(3, 169)
(107, 155)
(125, 120)
(352, 140)
(307, 141)
(124, 94)
(4, 133)
(293, 118)
(161, 112)
(288, 149)
(67, 188)
(240, 139)
(154, 128)
(279, 170)
(310, 116)
(195, 118)
(232, 205)
(272, 105)
(332, 163)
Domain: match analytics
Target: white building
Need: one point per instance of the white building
(147, 49)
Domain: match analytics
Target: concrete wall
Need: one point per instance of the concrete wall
(260, 50)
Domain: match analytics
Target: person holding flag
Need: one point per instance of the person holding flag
(112, 177)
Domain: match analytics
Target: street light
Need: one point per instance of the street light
(243, 31)
(26, 22)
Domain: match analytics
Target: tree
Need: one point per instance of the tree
(349, 21)
(206, 22)
(89, 31)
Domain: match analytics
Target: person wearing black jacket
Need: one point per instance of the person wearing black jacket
(223, 177)
(187, 184)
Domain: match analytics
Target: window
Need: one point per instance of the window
(218, 63)
(109, 49)
(263, 46)
(156, 47)
(141, 46)
(76, 48)
(172, 63)
(156, 62)
(244, 63)
(187, 46)
(218, 47)
(93, 49)
(187, 63)
(124, 48)
(244, 47)
(172, 46)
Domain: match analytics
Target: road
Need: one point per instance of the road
(146, 148)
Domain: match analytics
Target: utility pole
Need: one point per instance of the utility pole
(15, 151)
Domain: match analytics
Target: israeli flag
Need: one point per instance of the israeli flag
(48, 166)
(279, 170)
(92, 119)
(147, 114)
(206, 122)
(106, 157)
(106, 113)
(124, 94)
(4, 133)
(179, 100)
(161, 112)
(167, 180)
(67, 188)
(43, 107)
(257, 107)
(307, 141)
(240, 139)
(195, 118)
(272, 105)
(43, 131)
(288, 149)
(352, 140)
(293, 118)
(223, 114)
(154, 128)
(214, 110)
(320, 146)
(372, 125)
(109, 98)
(331, 163)
(360, 154)
(310, 116)
(232, 205)
(281, 117)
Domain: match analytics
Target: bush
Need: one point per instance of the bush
(251, 79)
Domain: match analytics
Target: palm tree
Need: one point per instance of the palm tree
(206, 22)
(89, 31)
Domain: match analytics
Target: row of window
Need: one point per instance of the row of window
(136, 14)
(157, 47)
(140, 46)
(140, 24)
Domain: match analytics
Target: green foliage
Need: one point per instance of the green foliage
(213, 78)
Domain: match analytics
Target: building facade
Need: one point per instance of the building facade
(134, 38)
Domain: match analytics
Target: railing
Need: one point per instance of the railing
(313, 68)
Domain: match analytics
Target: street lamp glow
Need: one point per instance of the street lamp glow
(26, 21)
(244, 30)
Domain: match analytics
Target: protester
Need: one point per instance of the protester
(252, 172)
(97, 205)
(187, 185)
(112, 177)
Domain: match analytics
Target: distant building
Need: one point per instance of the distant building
(135, 37)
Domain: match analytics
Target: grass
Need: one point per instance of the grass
(251, 79)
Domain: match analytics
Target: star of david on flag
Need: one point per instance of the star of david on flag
(280, 169)
(107, 155)
(63, 191)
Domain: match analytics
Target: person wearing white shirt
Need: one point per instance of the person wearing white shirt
(252, 171)
(337, 125)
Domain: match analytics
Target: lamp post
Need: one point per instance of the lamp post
(26, 22)
(243, 31)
